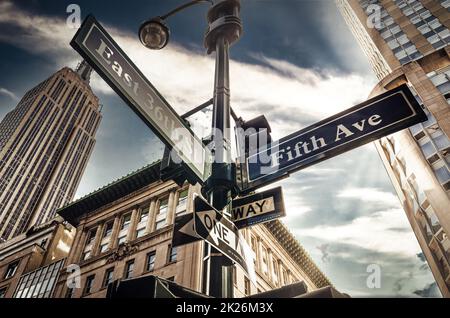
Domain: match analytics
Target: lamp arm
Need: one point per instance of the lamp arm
(184, 6)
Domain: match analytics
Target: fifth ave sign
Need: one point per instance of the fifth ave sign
(380, 116)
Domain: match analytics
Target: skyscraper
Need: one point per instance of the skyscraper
(406, 41)
(45, 142)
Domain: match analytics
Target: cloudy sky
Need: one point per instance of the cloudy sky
(297, 63)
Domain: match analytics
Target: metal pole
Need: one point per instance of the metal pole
(224, 29)
(220, 278)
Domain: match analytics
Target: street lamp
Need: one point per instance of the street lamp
(154, 33)
(224, 29)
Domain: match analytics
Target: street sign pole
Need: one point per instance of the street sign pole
(220, 276)
(224, 29)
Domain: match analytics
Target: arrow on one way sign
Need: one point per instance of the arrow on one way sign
(222, 234)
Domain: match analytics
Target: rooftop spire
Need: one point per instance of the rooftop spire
(84, 70)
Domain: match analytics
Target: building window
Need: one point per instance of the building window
(129, 268)
(182, 202)
(104, 247)
(442, 173)
(142, 222)
(264, 261)
(86, 255)
(122, 239)
(106, 236)
(108, 229)
(275, 271)
(89, 284)
(123, 231)
(172, 255)
(433, 158)
(285, 277)
(3, 292)
(162, 213)
(11, 270)
(420, 135)
(143, 215)
(254, 245)
(140, 232)
(150, 263)
(90, 238)
(126, 220)
(39, 283)
(246, 286)
(69, 292)
(109, 276)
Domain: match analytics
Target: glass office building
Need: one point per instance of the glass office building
(406, 41)
(39, 283)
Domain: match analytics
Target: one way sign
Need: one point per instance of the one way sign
(258, 208)
(222, 234)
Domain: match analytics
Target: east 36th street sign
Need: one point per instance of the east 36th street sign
(113, 65)
(380, 116)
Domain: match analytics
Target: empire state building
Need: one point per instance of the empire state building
(45, 143)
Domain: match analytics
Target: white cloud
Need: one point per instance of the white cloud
(186, 78)
(369, 195)
(42, 34)
(384, 231)
(8, 93)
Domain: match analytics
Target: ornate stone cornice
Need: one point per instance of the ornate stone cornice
(297, 252)
(122, 252)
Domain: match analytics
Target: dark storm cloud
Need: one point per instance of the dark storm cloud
(400, 283)
(421, 256)
(429, 290)
(292, 31)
